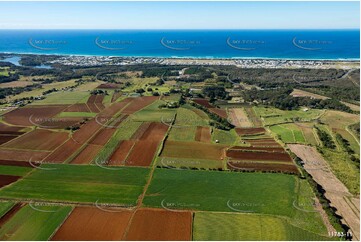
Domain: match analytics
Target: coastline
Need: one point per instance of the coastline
(183, 57)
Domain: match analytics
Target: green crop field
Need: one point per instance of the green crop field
(76, 115)
(5, 207)
(80, 183)
(182, 133)
(187, 117)
(272, 115)
(288, 133)
(189, 163)
(222, 191)
(153, 113)
(225, 137)
(14, 170)
(34, 223)
(64, 97)
(225, 226)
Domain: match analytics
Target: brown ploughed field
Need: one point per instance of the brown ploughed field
(7, 179)
(265, 149)
(249, 131)
(78, 107)
(63, 152)
(102, 137)
(22, 155)
(39, 139)
(86, 131)
(261, 166)
(160, 225)
(203, 134)
(99, 102)
(258, 155)
(220, 112)
(15, 163)
(145, 148)
(138, 104)
(204, 102)
(91, 104)
(87, 154)
(93, 224)
(6, 138)
(121, 153)
(33, 115)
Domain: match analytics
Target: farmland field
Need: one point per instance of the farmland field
(139, 149)
(85, 184)
(247, 227)
(34, 222)
(213, 191)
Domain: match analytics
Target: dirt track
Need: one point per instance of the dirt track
(345, 203)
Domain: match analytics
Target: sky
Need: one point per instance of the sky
(180, 15)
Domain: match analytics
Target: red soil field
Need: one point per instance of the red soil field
(91, 104)
(63, 152)
(114, 108)
(220, 112)
(99, 102)
(265, 149)
(6, 138)
(258, 155)
(203, 102)
(255, 166)
(39, 139)
(86, 131)
(160, 225)
(144, 150)
(121, 153)
(103, 136)
(138, 104)
(203, 134)
(15, 163)
(108, 86)
(87, 154)
(155, 131)
(9, 215)
(6, 180)
(33, 115)
(140, 131)
(142, 153)
(4, 128)
(22, 155)
(61, 123)
(93, 224)
(115, 96)
(249, 131)
(78, 107)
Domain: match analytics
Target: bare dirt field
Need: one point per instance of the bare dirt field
(78, 107)
(336, 191)
(239, 118)
(203, 134)
(33, 115)
(93, 224)
(262, 166)
(102, 136)
(87, 154)
(39, 139)
(249, 131)
(160, 225)
(138, 103)
(7, 179)
(258, 155)
(63, 152)
(121, 153)
(22, 155)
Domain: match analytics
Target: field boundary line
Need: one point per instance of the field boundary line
(353, 135)
(57, 228)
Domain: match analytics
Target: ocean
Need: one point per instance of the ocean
(262, 44)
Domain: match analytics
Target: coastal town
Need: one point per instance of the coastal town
(72, 60)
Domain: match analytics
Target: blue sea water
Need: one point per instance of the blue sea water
(268, 44)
